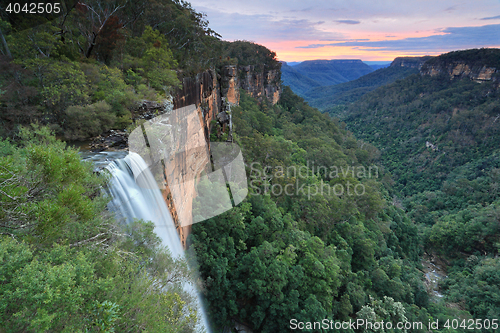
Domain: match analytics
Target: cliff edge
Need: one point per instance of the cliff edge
(410, 62)
(213, 93)
(476, 64)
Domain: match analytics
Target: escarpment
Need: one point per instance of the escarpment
(212, 93)
(410, 62)
(479, 65)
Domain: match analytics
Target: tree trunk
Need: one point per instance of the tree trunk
(91, 46)
(4, 42)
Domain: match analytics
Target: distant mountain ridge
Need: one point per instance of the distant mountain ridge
(298, 82)
(410, 62)
(327, 98)
(377, 64)
(328, 72)
(315, 73)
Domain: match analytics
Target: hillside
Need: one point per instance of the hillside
(297, 81)
(324, 98)
(332, 227)
(82, 88)
(313, 73)
(328, 72)
(451, 113)
(438, 132)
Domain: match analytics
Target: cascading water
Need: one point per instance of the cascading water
(135, 194)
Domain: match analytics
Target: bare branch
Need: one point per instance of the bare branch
(86, 241)
(5, 45)
(18, 227)
(8, 234)
(183, 45)
(10, 197)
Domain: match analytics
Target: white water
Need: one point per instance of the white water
(136, 195)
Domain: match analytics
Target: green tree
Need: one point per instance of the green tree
(65, 264)
(158, 61)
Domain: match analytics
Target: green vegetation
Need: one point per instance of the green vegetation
(298, 82)
(65, 264)
(333, 227)
(327, 98)
(275, 257)
(314, 73)
(439, 140)
(82, 91)
(87, 71)
(457, 117)
(84, 72)
(248, 53)
(474, 58)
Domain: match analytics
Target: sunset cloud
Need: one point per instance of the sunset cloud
(491, 18)
(347, 21)
(452, 39)
(370, 30)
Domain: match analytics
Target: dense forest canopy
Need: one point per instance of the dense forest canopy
(67, 265)
(294, 255)
(341, 240)
(438, 137)
(84, 72)
(473, 58)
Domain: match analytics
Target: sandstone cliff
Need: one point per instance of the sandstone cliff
(477, 64)
(461, 70)
(261, 84)
(213, 95)
(410, 62)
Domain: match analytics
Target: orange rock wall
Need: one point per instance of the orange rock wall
(460, 70)
(212, 94)
(261, 84)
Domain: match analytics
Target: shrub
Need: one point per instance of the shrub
(82, 122)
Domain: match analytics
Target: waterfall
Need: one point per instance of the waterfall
(135, 194)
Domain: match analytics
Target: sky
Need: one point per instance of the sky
(376, 30)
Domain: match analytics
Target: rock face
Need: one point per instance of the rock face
(476, 64)
(410, 62)
(260, 84)
(213, 95)
(479, 65)
(461, 70)
(112, 139)
(149, 109)
(230, 84)
(206, 93)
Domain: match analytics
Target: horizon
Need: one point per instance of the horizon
(365, 61)
(340, 29)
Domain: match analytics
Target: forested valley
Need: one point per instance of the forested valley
(342, 239)
(438, 137)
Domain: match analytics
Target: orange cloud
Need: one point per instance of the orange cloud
(289, 51)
